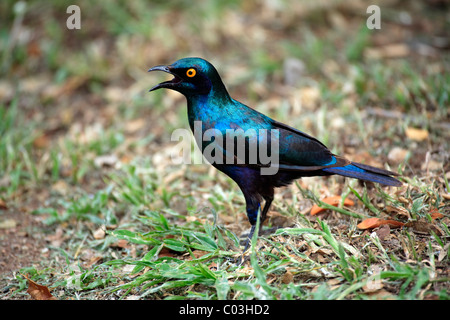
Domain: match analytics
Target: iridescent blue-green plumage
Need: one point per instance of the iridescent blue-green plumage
(300, 155)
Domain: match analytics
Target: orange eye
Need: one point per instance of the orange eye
(191, 72)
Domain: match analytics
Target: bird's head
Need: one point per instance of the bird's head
(192, 76)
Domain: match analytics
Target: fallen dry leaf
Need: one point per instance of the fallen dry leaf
(198, 254)
(397, 154)
(394, 50)
(121, 243)
(383, 231)
(8, 224)
(423, 227)
(435, 214)
(134, 126)
(373, 286)
(61, 186)
(381, 295)
(309, 96)
(57, 238)
(42, 141)
(334, 201)
(287, 278)
(371, 223)
(276, 219)
(34, 50)
(69, 86)
(398, 210)
(37, 291)
(416, 134)
(3, 205)
(99, 233)
(165, 252)
(108, 160)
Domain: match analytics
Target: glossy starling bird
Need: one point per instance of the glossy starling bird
(298, 154)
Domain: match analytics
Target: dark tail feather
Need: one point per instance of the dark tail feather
(364, 172)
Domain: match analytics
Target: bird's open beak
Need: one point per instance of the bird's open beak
(166, 84)
(160, 68)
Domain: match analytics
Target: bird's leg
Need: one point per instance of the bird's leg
(265, 210)
(253, 207)
(261, 220)
(249, 238)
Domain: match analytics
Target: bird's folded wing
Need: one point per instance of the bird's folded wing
(299, 151)
(289, 148)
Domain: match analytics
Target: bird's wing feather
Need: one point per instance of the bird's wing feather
(302, 152)
(298, 151)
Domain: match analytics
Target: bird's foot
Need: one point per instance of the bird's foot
(241, 259)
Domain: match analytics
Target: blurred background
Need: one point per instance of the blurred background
(76, 115)
(73, 95)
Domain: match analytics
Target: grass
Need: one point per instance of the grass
(85, 152)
